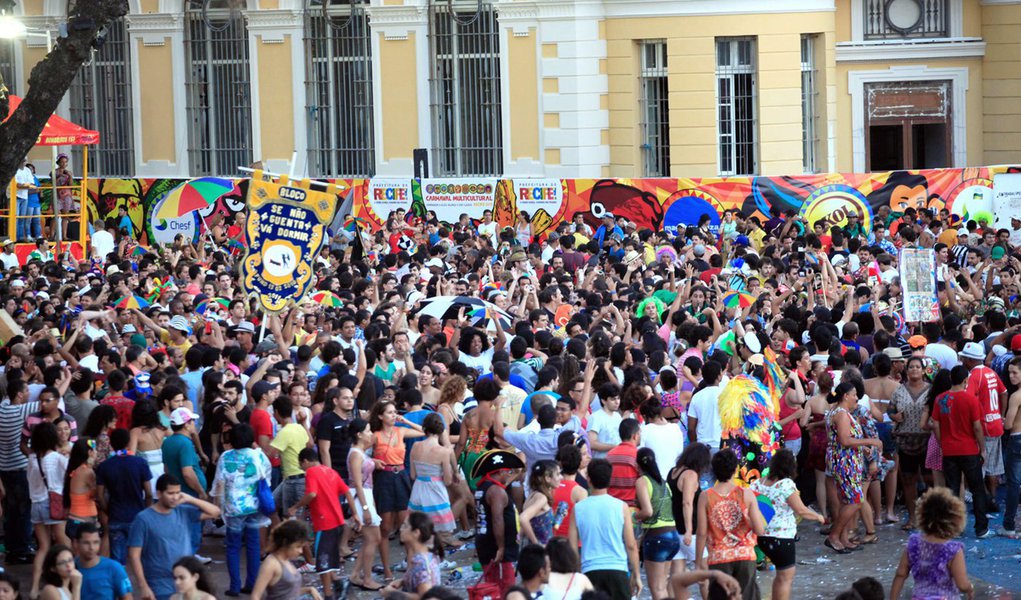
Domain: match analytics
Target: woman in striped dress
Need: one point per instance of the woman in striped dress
(433, 469)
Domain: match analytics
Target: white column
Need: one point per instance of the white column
(160, 29)
(517, 18)
(272, 26)
(574, 27)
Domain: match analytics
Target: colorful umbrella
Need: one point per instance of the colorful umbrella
(139, 251)
(201, 307)
(738, 300)
(352, 222)
(193, 195)
(480, 312)
(132, 301)
(327, 298)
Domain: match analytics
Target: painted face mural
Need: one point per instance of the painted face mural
(640, 207)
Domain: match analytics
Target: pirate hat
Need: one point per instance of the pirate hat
(495, 460)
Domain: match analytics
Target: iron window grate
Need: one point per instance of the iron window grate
(465, 90)
(736, 106)
(219, 96)
(655, 109)
(101, 100)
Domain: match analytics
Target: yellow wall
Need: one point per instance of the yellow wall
(691, 65)
(399, 102)
(277, 101)
(1002, 84)
(157, 108)
(524, 96)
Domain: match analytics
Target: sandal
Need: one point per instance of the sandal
(365, 587)
(830, 545)
(869, 538)
(907, 527)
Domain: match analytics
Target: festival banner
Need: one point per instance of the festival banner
(387, 195)
(542, 199)
(449, 198)
(918, 280)
(285, 231)
(1007, 199)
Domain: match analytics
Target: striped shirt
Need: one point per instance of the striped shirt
(12, 418)
(624, 459)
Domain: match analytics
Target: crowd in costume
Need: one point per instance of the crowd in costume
(598, 411)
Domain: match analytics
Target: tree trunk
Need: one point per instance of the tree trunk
(50, 80)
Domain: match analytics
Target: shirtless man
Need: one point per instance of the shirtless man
(1012, 450)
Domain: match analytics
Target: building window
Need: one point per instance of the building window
(338, 71)
(218, 88)
(736, 110)
(809, 104)
(898, 19)
(101, 100)
(7, 62)
(655, 109)
(465, 88)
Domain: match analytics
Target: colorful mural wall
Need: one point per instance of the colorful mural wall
(159, 209)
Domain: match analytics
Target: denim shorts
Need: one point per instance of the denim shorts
(661, 547)
(41, 513)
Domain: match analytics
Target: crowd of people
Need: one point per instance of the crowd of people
(571, 434)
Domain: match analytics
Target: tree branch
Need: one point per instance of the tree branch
(50, 79)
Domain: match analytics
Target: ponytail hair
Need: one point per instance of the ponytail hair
(840, 391)
(421, 522)
(356, 426)
(647, 463)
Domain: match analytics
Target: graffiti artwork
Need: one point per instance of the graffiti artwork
(160, 208)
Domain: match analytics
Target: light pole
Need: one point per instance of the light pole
(12, 28)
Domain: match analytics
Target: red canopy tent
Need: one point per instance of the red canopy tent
(59, 132)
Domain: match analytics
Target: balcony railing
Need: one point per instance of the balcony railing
(905, 19)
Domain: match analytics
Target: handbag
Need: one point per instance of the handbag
(264, 495)
(57, 511)
(486, 590)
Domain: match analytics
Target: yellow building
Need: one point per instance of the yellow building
(573, 88)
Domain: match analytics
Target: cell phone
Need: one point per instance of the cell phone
(54, 332)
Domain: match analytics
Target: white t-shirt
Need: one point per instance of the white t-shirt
(607, 428)
(667, 441)
(103, 242)
(22, 177)
(483, 362)
(488, 230)
(944, 355)
(10, 261)
(705, 407)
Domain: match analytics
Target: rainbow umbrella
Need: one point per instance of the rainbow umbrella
(205, 304)
(195, 194)
(738, 300)
(132, 301)
(351, 223)
(485, 316)
(139, 251)
(327, 298)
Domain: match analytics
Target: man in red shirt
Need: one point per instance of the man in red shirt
(984, 383)
(262, 395)
(624, 459)
(958, 418)
(323, 489)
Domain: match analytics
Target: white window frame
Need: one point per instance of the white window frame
(654, 104)
(810, 103)
(728, 154)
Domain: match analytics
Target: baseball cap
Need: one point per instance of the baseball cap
(182, 416)
(180, 323)
(918, 341)
(129, 328)
(997, 253)
(138, 340)
(113, 270)
(17, 283)
(245, 326)
(261, 388)
(609, 215)
(1015, 343)
(698, 250)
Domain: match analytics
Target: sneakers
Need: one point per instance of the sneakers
(1007, 533)
(985, 535)
(203, 559)
(447, 564)
(307, 568)
(466, 535)
(968, 497)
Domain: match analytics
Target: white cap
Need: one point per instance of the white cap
(182, 416)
